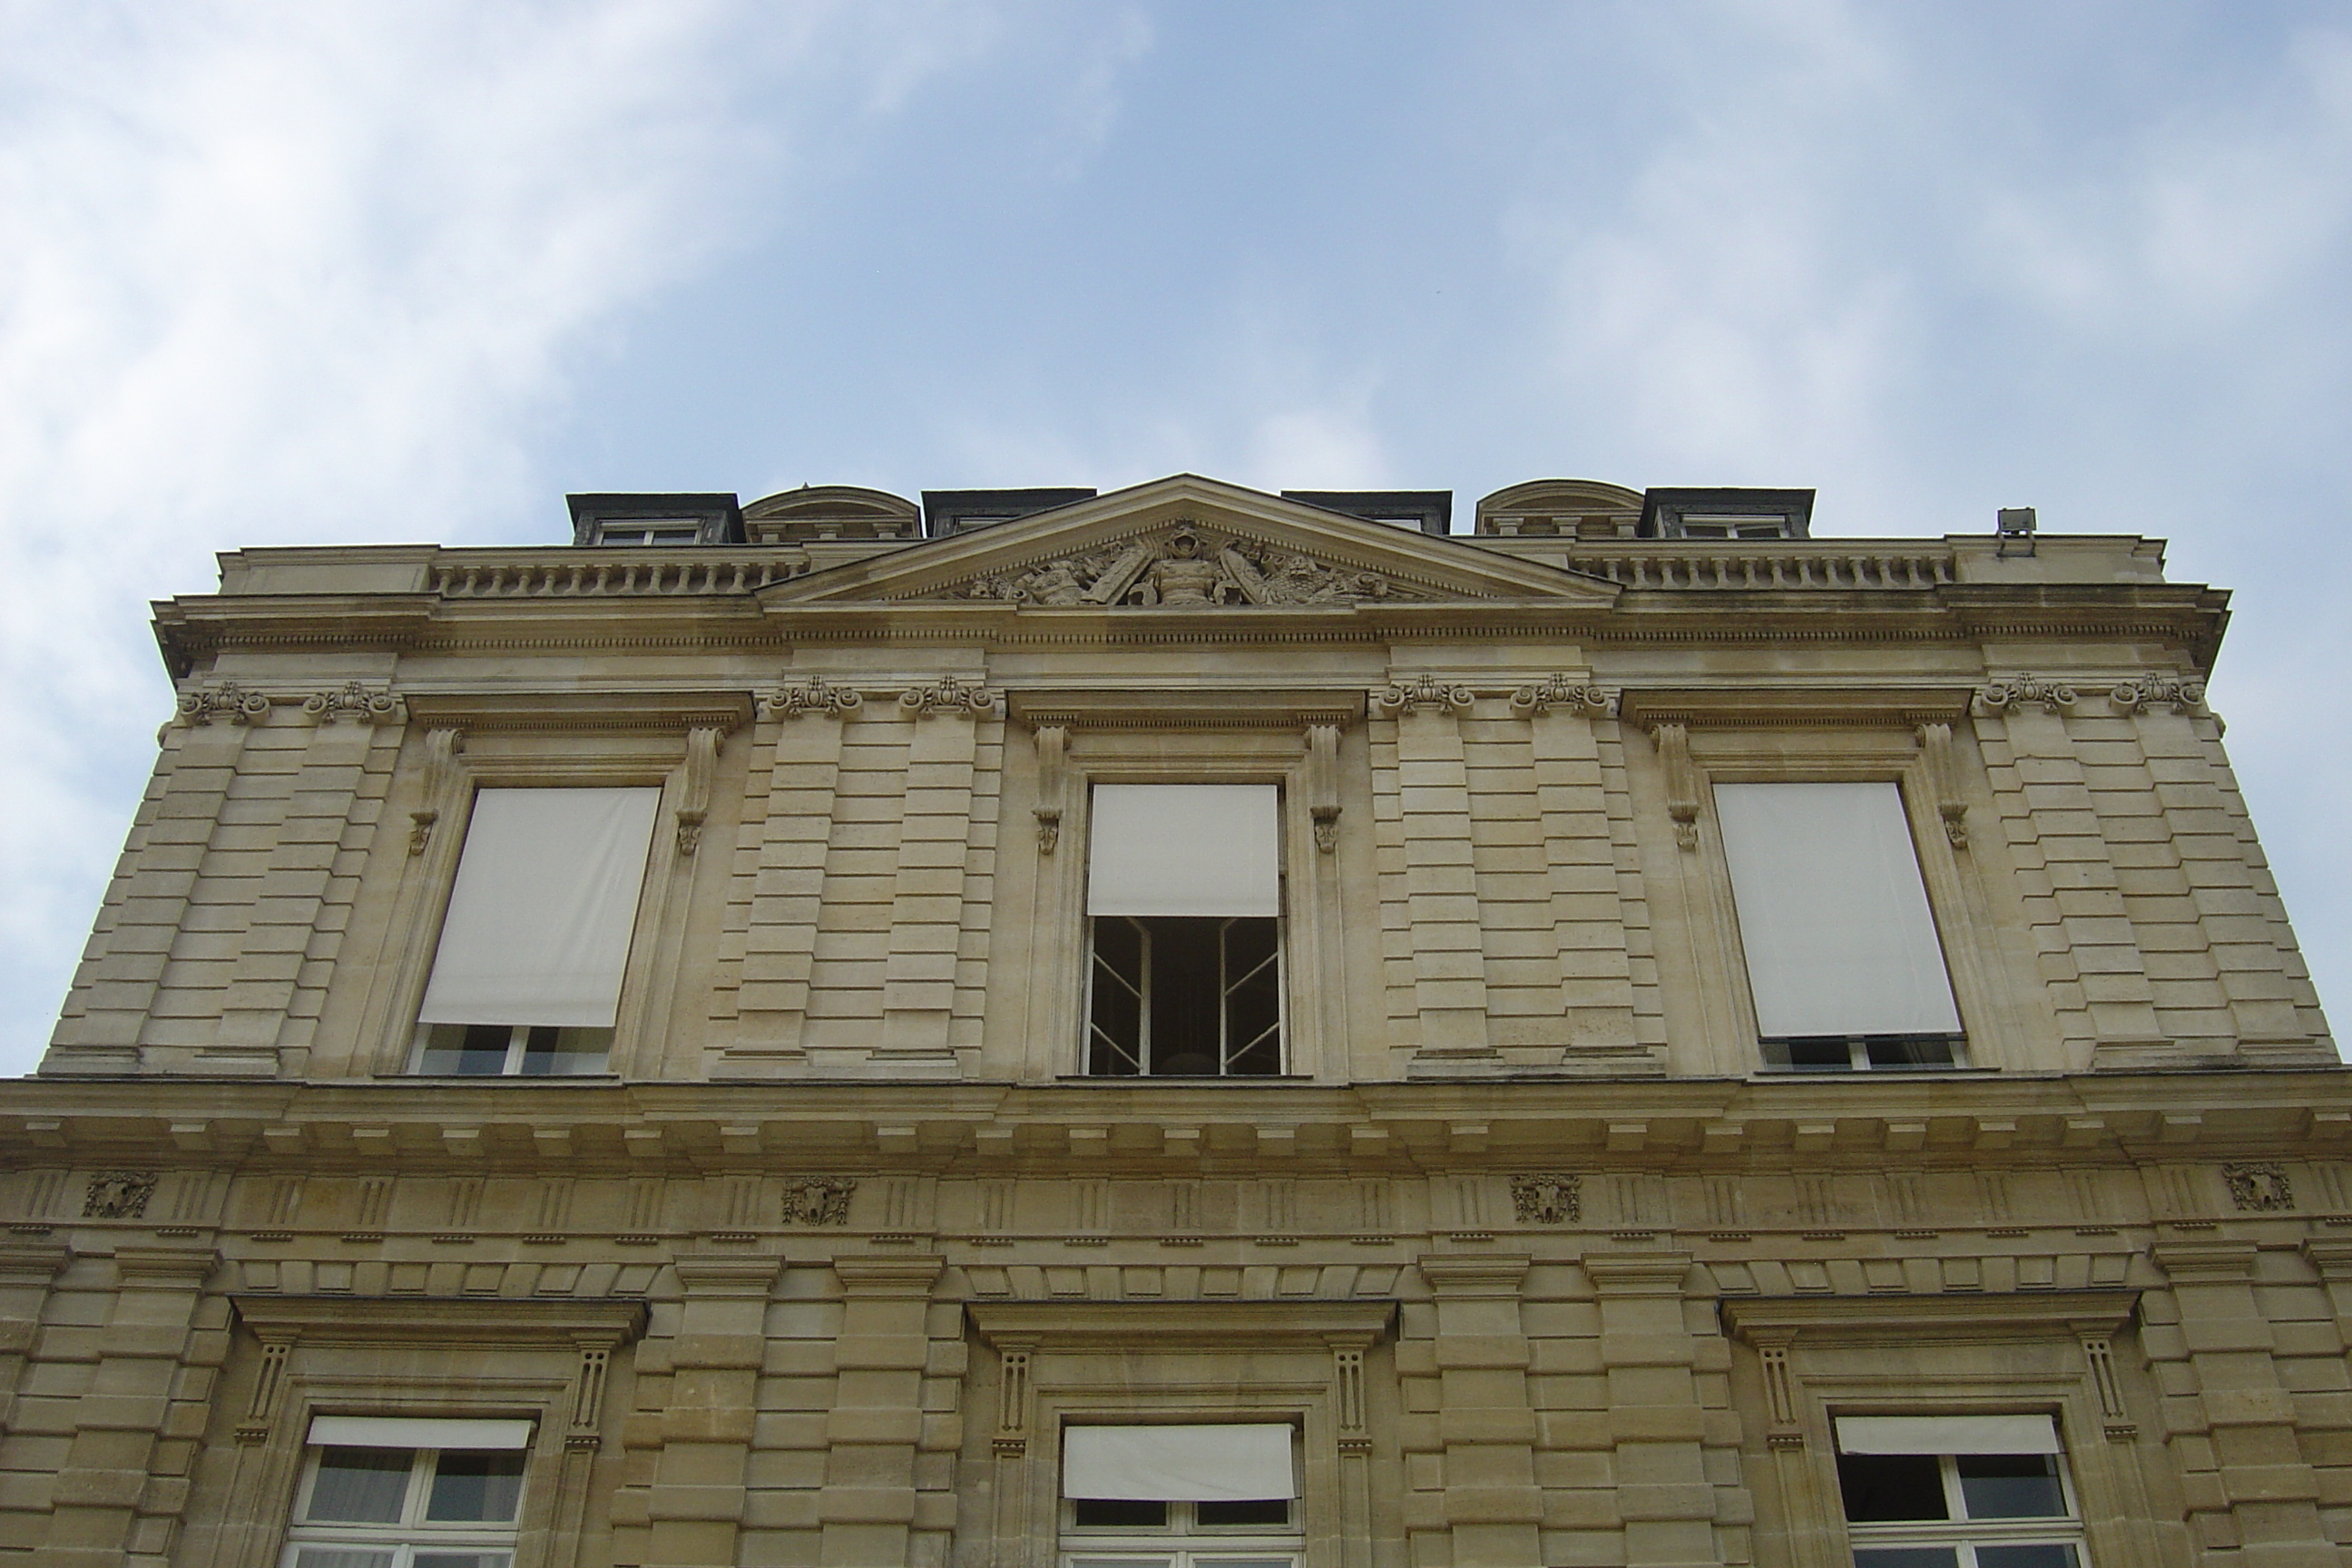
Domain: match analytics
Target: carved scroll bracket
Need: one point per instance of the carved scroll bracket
(1935, 747)
(2028, 691)
(353, 701)
(1559, 691)
(950, 694)
(227, 700)
(441, 751)
(2181, 695)
(1053, 751)
(797, 700)
(1682, 781)
(1323, 784)
(1428, 694)
(694, 796)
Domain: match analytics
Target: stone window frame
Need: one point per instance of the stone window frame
(1836, 747)
(1941, 1355)
(1060, 1362)
(1241, 743)
(667, 741)
(320, 1355)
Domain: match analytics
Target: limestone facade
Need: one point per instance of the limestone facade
(1538, 1256)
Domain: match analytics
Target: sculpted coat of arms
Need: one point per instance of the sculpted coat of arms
(1187, 569)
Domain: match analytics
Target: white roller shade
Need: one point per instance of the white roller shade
(1184, 850)
(539, 923)
(1833, 913)
(1947, 1435)
(403, 1432)
(1177, 1463)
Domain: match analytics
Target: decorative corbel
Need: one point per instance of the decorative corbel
(1052, 749)
(1682, 781)
(1935, 747)
(2050, 695)
(353, 700)
(227, 700)
(1411, 696)
(815, 695)
(1323, 784)
(1559, 691)
(694, 796)
(949, 694)
(2182, 696)
(441, 749)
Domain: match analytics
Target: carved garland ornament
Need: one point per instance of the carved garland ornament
(353, 700)
(818, 1200)
(949, 694)
(2182, 696)
(815, 695)
(1428, 693)
(1187, 569)
(2050, 695)
(1559, 691)
(227, 700)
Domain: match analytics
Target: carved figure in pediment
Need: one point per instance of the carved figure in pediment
(1185, 569)
(1182, 575)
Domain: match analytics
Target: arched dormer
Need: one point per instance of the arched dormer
(1587, 509)
(831, 512)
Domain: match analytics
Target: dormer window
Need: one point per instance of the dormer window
(1726, 516)
(625, 521)
(1697, 527)
(653, 531)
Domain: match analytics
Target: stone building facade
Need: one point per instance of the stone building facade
(835, 1032)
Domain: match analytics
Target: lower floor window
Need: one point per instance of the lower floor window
(510, 1051)
(1185, 996)
(1863, 1053)
(1180, 1497)
(1969, 1492)
(394, 1493)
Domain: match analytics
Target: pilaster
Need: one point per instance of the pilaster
(1441, 890)
(874, 1500)
(1656, 1424)
(1493, 1506)
(700, 1415)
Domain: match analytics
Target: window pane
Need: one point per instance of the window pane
(475, 1487)
(2011, 1486)
(341, 1557)
(1253, 982)
(1185, 999)
(1907, 1557)
(1883, 1487)
(464, 1049)
(565, 1053)
(360, 1485)
(1115, 1029)
(1270, 1511)
(1120, 1513)
(1909, 1051)
(2042, 1554)
(1825, 1053)
(461, 1560)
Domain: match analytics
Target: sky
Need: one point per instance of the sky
(301, 273)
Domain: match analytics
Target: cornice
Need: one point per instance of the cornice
(1946, 1319)
(1236, 1325)
(428, 1321)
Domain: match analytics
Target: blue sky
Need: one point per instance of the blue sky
(274, 273)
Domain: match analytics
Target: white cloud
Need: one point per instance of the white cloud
(280, 272)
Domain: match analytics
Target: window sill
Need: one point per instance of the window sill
(1169, 1080)
(1776, 1074)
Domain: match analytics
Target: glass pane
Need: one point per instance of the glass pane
(1186, 1001)
(1253, 981)
(1119, 1513)
(360, 1485)
(341, 1557)
(1199, 1561)
(438, 1559)
(1910, 1051)
(1271, 1510)
(475, 1487)
(1155, 1562)
(470, 1050)
(1825, 1053)
(1882, 1487)
(1115, 1030)
(565, 1053)
(1907, 1557)
(2040, 1554)
(2011, 1486)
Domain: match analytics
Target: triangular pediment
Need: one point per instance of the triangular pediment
(1188, 542)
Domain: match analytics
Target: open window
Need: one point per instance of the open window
(527, 979)
(1957, 1491)
(403, 1493)
(1181, 1496)
(1843, 962)
(1183, 906)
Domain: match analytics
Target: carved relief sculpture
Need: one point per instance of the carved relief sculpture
(227, 700)
(2158, 692)
(1559, 691)
(818, 1200)
(2259, 1187)
(949, 694)
(1546, 1199)
(1187, 569)
(1428, 693)
(354, 701)
(816, 695)
(2050, 695)
(119, 1194)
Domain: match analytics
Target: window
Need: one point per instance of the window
(399, 1494)
(1843, 962)
(650, 531)
(527, 978)
(1957, 1491)
(1180, 1497)
(1183, 903)
(1749, 527)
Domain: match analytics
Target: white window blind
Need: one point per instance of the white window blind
(1184, 850)
(1833, 914)
(538, 922)
(1947, 1435)
(1177, 1463)
(407, 1432)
